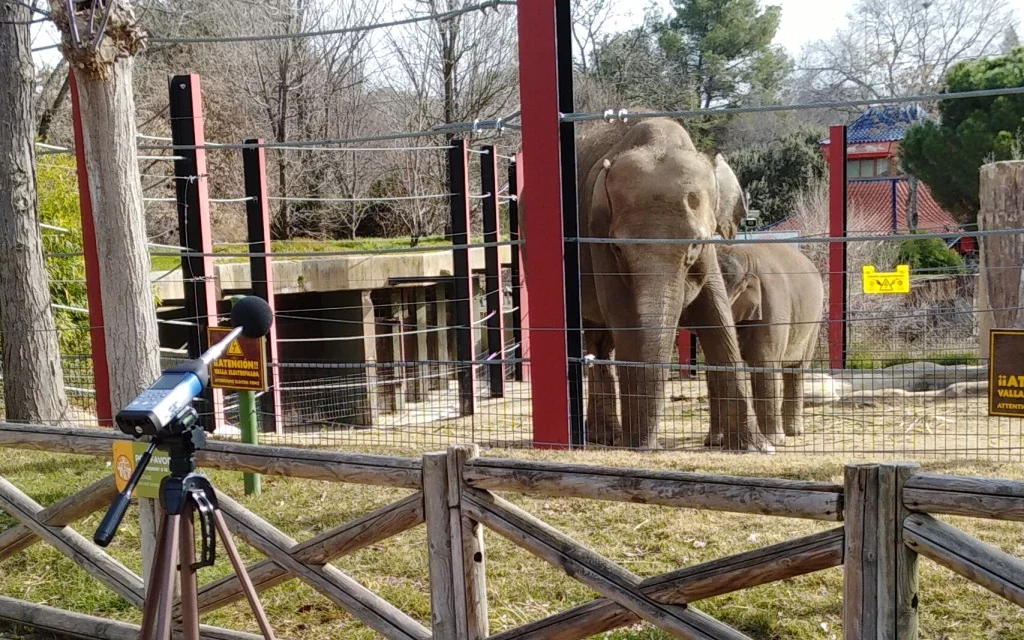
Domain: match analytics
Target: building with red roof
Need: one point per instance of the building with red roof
(878, 193)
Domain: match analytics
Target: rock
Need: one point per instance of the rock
(876, 397)
(821, 388)
(914, 377)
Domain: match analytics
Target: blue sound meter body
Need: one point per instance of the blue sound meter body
(160, 403)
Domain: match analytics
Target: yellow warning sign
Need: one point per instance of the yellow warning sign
(243, 367)
(886, 282)
(1006, 373)
(126, 456)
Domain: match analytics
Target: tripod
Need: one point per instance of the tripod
(182, 494)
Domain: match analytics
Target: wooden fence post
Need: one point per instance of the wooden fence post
(439, 546)
(468, 545)
(879, 571)
(458, 594)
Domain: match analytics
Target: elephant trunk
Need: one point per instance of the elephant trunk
(647, 349)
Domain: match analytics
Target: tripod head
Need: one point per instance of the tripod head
(164, 414)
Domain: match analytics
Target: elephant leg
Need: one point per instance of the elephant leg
(716, 389)
(767, 388)
(603, 426)
(729, 391)
(642, 388)
(793, 401)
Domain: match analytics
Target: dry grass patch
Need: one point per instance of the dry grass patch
(645, 539)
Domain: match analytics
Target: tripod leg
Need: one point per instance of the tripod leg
(163, 572)
(243, 576)
(166, 604)
(187, 553)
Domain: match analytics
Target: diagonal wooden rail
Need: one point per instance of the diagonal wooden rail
(339, 587)
(605, 577)
(343, 540)
(889, 515)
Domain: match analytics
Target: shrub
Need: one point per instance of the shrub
(59, 207)
(930, 254)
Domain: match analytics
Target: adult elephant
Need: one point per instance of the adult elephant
(647, 180)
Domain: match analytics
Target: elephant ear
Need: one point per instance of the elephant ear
(732, 204)
(746, 305)
(600, 219)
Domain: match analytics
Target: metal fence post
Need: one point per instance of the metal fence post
(837, 280)
(458, 176)
(520, 295)
(261, 270)
(97, 340)
(545, 247)
(492, 263)
(194, 234)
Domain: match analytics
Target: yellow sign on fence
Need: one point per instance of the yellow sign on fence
(126, 456)
(243, 367)
(897, 281)
(1006, 373)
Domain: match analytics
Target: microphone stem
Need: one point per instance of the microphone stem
(218, 349)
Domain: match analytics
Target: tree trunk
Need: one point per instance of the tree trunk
(129, 310)
(912, 204)
(106, 106)
(33, 378)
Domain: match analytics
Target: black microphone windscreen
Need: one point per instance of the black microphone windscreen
(253, 314)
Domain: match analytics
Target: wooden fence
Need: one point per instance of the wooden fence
(885, 511)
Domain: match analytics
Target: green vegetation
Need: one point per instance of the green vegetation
(868, 359)
(705, 53)
(58, 207)
(947, 156)
(646, 540)
(306, 245)
(775, 174)
(930, 255)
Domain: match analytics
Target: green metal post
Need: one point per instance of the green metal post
(249, 424)
(250, 435)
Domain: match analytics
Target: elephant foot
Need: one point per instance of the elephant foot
(796, 429)
(751, 443)
(778, 439)
(713, 440)
(604, 434)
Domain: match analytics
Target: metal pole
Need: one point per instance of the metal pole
(837, 250)
(492, 266)
(458, 175)
(544, 250)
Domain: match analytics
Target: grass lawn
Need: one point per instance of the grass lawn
(645, 539)
(166, 262)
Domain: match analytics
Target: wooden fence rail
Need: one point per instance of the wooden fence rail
(888, 515)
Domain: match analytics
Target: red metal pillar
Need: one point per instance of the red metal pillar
(544, 250)
(684, 343)
(194, 233)
(520, 294)
(101, 374)
(837, 248)
(261, 270)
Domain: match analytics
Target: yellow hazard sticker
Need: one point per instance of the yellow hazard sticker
(897, 281)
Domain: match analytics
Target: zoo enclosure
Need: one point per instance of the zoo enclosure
(888, 515)
(320, 390)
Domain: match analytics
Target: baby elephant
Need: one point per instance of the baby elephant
(776, 295)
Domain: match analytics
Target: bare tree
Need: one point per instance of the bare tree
(33, 379)
(590, 20)
(901, 47)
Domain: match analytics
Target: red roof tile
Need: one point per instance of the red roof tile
(870, 209)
